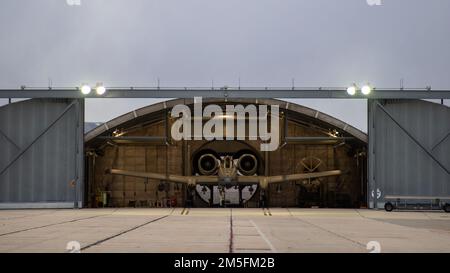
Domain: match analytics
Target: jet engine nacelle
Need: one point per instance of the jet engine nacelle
(247, 164)
(208, 164)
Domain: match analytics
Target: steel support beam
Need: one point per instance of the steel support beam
(371, 162)
(330, 93)
(79, 161)
(136, 139)
(317, 140)
(301, 138)
(440, 141)
(9, 140)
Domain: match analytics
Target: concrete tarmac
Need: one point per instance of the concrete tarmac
(223, 230)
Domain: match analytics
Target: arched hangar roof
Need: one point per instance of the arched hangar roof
(142, 114)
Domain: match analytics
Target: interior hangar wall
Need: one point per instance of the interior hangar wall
(409, 149)
(337, 191)
(41, 159)
(144, 157)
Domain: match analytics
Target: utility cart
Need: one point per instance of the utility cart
(406, 202)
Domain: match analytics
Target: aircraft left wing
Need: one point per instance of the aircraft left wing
(264, 181)
(188, 180)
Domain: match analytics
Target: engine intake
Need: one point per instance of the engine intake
(207, 164)
(247, 164)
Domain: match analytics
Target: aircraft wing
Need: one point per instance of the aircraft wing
(249, 179)
(301, 176)
(189, 180)
(264, 181)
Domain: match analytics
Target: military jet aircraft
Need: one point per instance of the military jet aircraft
(226, 172)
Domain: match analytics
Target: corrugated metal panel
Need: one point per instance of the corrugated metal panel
(409, 148)
(44, 171)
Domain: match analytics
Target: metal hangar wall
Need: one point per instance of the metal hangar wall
(41, 158)
(409, 149)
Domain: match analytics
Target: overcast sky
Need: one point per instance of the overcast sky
(195, 42)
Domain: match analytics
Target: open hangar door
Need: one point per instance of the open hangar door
(138, 148)
(409, 149)
(41, 159)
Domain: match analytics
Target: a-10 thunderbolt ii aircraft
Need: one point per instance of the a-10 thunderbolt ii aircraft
(226, 172)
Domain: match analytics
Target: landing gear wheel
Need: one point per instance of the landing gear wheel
(388, 206)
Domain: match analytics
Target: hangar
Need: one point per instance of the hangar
(47, 161)
(311, 142)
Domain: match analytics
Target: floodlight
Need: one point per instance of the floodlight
(351, 90)
(366, 89)
(100, 89)
(85, 89)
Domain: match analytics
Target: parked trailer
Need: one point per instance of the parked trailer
(417, 202)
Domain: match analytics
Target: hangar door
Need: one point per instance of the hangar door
(41, 158)
(409, 149)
